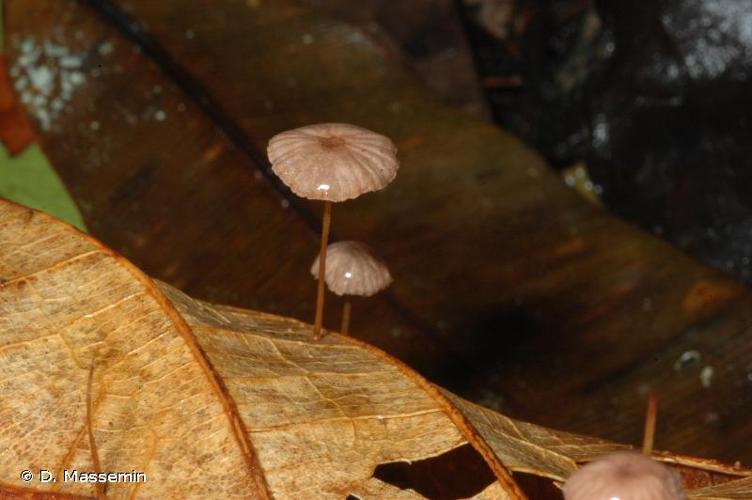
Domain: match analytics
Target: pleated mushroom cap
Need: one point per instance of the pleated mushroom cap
(351, 269)
(626, 476)
(333, 161)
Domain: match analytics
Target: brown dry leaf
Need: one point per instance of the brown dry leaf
(740, 489)
(213, 400)
(207, 401)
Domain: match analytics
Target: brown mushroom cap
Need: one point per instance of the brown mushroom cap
(333, 161)
(351, 269)
(626, 476)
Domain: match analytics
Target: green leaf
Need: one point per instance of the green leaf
(29, 179)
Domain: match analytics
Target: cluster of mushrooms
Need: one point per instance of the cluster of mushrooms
(335, 162)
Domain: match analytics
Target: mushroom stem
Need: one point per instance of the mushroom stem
(650, 418)
(322, 269)
(346, 317)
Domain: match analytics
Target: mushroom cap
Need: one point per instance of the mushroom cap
(352, 269)
(626, 476)
(333, 161)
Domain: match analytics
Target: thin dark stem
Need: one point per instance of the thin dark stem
(650, 418)
(322, 269)
(346, 317)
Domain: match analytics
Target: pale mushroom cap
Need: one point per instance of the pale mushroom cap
(351, 269)
(333, 161)
(623, 476)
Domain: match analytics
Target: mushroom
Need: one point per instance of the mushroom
(623, 476)
(331, 162)
(352, 269)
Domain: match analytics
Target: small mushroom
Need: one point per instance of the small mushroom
(623, 476)
(331, 162)
(352, 269)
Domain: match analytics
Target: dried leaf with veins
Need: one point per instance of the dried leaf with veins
(214, 401)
